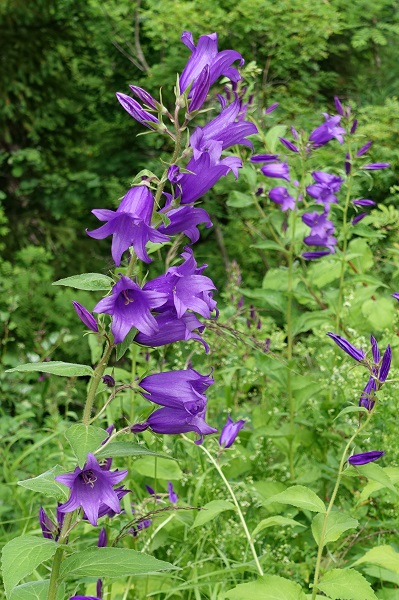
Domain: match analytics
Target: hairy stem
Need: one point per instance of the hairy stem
(98, 373)
(58, 556)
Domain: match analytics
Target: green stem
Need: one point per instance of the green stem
(233, 496)
(175, 156)
(290, 343)
(58, 556)
(98, 373)
(331, 503)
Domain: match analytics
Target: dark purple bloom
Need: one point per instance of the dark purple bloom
(318, 223)
(327, 131)
(358, 218)
(180, 420)
(85, 316)
(365, 457)
(385, 364)
(135, 110)
(338, 106)
(102, 538)
(288, 144)
(280, 196)
(277, 170)
(90, 488)
(375, 350)
(108, 380)
(201, 90)
(354, 127)
(364, 202)
(364, 149)
(314, 255)
(259, 191)
(139, 526)
(230, 432)
(376, 166)
(206, 53)
(46, 524)
(325, 188)
(172, 388)
(172, 329)
(347, 163)
(130, 306)
(347, 347)
(173, 497)
(186, 219)
(144, 96)
(129, 224)
(271, 108)
(264, 158)
(366, 399)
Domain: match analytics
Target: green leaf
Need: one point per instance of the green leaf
(269, 245)
(84, 439)
(380, 313)
(115, 449)
(46, 484)
(35, 590)
(383, 556)
(122, 348)
(87, 281)
(346, 584)
(374, 486)
(22, 555)
(111, 562)
(300, 496)
(374, 472)
(158, 468)
(272, 521)
(337, 524)
(272, 136)
(351, 409)
(269, 587)
(56, 367)
(212, 510)
(309, 321)
(239, 200)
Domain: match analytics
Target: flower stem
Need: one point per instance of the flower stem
(98, 373)
(331, 503)
(290, 343)
(57, 560)
(233, 496)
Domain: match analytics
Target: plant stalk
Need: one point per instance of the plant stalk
(98, 373)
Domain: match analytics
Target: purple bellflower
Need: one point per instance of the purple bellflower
(90, 488)
(264, 158)
(365, 457)
(367, 397)
(327, 131)
(325, 188)
(338, 106)
(185, 219)
(280, 196)
(108, 380)
(130, 306)
(172, 388)
(49, 529)
(135, 110)
(180, 420)
(172, 329)
(376, 166)
(277, 170)
(206, 54)
(230, 432)
(356, 353)
(385, 364)
(316, 254)
(354, 127)
(144, 96)
(173, 497)
(102, 538)
(129, 224)
(364, 149)
(358, 218)
(395, 295)
(85, 316)
(271, 108)
(289, 144)
(364, 202)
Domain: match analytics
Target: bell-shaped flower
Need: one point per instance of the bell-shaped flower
(316, 254)
(365, 457)
(277, 170)
(206, 53)
(172, 388)
(130, 306)
(367, 398)
(90, 488)
(135, 110)
(144, 96)
(185, 219)
(172, 329)
(327, 131)
(325, 188)
(280, 196)
(230, 432)
(129, 224)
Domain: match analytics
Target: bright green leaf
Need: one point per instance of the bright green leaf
(87, 281)
(374, 472)
(351, 409)
(272, 522)
(346, 584)
(158, 468)
(46, 484)
(212, 510)
(36, 590)
(84, 439)
(272, 137)
(383, 556)
(115, 449)
(337, 524)
(239, 200)
(300, 496)
(56, 367)
(22, 555)
(269, 587)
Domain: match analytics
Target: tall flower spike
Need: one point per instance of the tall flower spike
(90, 487)
(356, 353)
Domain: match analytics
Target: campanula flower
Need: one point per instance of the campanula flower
(366, 399)
(173, 497)
(135, 110)
(325, 188)
(385, 364)
(375, 350)
(144, 96)
(108, 380)
(356, 353)
(90, 488)
(280, 196)
(271, 108)
(327, 131)
(277, 170)
(130, 306)
(354, 127)
(230, 432)
(364, 149)
(172, 388)
(315, 255)
(102, 538)
(85, 316)
(365, 457)
(49, 529)
(264, 158)
(338, 106)
(358, 218)
(180, 420)
(318, 223)
(185, 219)
(201, 89)
(364, 202)
(288, 144)
(172, 329)
(376, 166)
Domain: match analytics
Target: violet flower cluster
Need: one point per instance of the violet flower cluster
(378, 367)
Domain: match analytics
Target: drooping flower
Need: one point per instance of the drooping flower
(277, 170)
(85, 316)
(325, 188)
(230, 432)
(365, 457)
(90, 488)
(206, 53)
(135, 110)
(172, 388)
(280, 196)
(130, 306)
(129, 225)
(356, 353)
(316, 254)
(108, 380)
(264, 158)
(172, 329)
(185, 219)
(327, 131)
(180, 420)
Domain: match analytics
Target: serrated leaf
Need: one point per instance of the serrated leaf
(383, 556)
(272, 136)
(21, 556)
(115, 449)
(46, 484)
(272, 522)
(269, 587)
(300, 496)
(87, 281)
(211, 510)
(337, 524)
(111, 562)
(84, 439)
(36, 590)
(158, 468)
(346, 584)
(55, 367)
